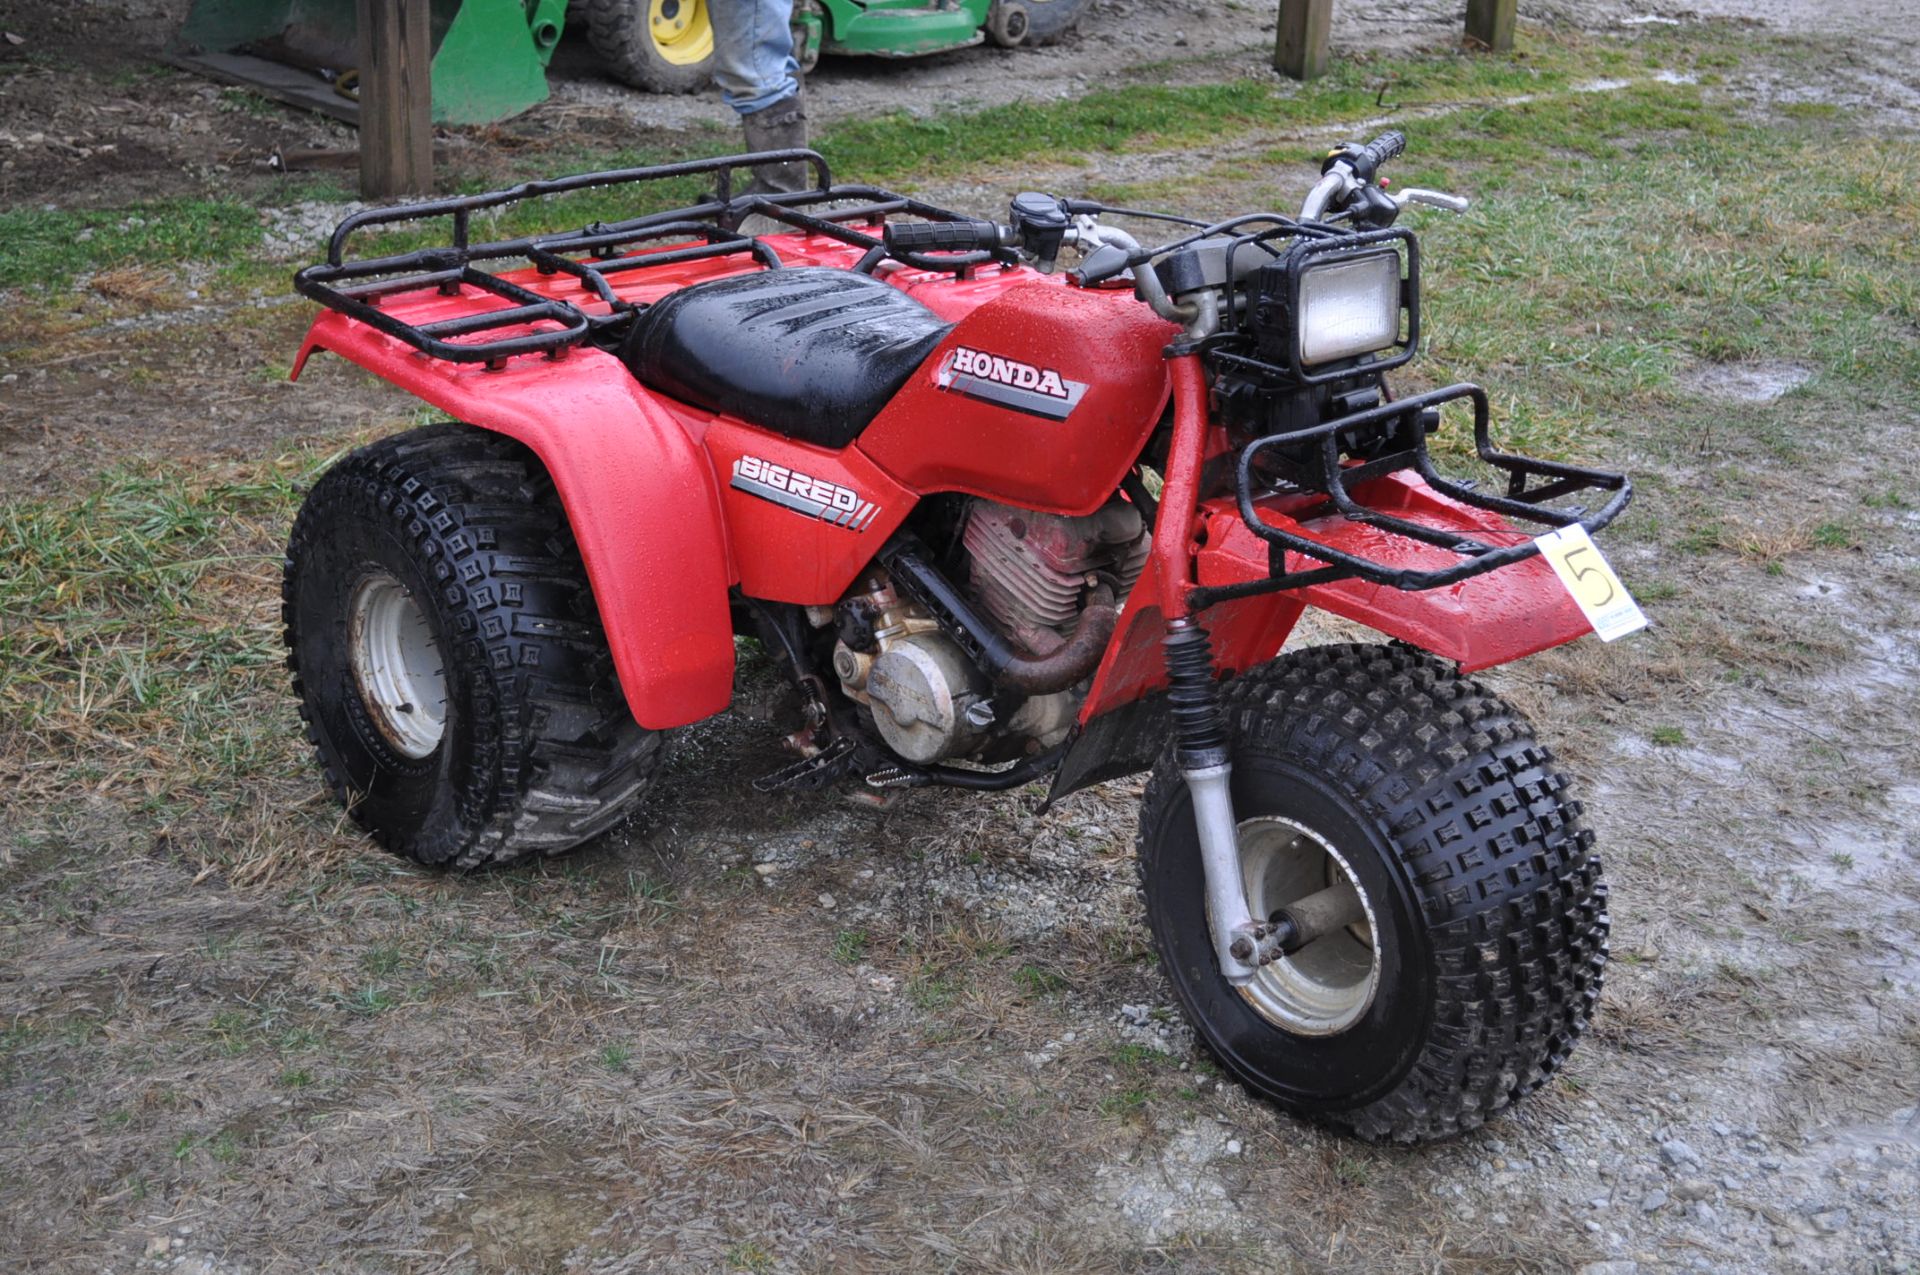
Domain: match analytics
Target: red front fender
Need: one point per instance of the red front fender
(1480, 622)
(639, 494)
(1486, 620)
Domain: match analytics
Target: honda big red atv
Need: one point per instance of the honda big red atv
(997, 522)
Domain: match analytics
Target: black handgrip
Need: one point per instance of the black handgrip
(1386, 146)
(1365, 161)
(941, 236)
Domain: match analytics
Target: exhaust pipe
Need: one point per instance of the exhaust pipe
(1075, 659)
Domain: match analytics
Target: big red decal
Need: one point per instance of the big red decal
(802, 493)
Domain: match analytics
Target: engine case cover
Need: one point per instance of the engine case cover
(920, 689)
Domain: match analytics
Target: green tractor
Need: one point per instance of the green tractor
(490, 56)
(666, 46)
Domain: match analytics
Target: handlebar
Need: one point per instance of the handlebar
(1364, 162)
(1348, 173)
(942, 236)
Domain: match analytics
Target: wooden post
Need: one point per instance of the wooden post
(1300, 45)
(396, 98)
(1490, 22)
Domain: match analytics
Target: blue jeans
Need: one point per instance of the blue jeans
(753, 53)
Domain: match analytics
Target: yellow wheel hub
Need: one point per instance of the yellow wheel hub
(681, 30)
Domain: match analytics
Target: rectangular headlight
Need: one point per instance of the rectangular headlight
(1349, 306)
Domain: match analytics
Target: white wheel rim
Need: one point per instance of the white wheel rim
(1325, 987)
(398, 666)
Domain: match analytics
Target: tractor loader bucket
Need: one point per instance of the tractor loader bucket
(489, 56)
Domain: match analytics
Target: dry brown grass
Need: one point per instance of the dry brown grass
(1770, 544)
(143, 286)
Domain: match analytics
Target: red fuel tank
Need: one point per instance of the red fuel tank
(1040, 398)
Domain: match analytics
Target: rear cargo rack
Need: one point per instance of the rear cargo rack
(535, 324)
(1523, 500)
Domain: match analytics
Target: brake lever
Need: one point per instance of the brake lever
(1432, 198)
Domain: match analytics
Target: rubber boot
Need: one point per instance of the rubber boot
(782, 126)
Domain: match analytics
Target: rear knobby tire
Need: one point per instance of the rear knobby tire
(619, 32)
(1487, 904)
(461, 533)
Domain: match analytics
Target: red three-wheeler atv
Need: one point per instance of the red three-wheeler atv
(999, 520)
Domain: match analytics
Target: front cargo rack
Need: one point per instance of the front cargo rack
(1530, 484)
(532, 323)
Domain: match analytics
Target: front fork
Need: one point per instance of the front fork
(1241, 942)
(1200, 743)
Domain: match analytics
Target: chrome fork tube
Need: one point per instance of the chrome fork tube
(1200, 737)
(1233, 927)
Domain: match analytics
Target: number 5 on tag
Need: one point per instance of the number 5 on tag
(1595, 588)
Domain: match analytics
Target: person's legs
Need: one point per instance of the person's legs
(753, 59)
(754, 66)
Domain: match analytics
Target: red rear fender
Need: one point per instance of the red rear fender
(639, 494)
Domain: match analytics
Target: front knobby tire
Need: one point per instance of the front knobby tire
(450, 663)
(1487, 922)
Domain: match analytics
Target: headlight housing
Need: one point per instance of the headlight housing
(1329, 300)
(1349, 305)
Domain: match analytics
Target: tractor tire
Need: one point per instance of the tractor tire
(659, 46)
(809, 27)
(1028, 24)
(1479, 959)
(449, 659)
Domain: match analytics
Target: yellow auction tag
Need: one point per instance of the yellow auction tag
(1609, 608)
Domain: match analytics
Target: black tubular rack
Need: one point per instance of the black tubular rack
(1530, 484)
(356, 287)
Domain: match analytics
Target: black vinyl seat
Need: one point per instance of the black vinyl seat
(811, 353)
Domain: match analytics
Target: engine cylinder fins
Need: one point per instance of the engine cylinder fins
(1031, 570)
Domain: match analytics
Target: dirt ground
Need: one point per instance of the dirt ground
(801, 1035)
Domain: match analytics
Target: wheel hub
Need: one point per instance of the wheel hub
(1323, 988)
(682, 32)
(397, 663)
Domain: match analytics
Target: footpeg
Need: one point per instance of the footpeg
(824, 767)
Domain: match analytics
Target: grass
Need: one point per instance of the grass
(369, 1000)
(850, 946)
(1039, 980)
(1623, 236)
(140, 652)
(904, 149)
(45, 248)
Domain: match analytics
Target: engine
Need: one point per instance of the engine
(1030, 573)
